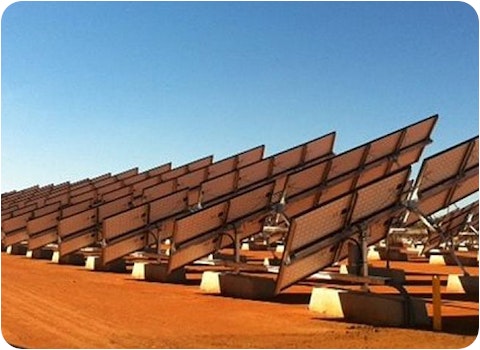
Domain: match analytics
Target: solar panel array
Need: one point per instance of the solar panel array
(319, 200)
(301, 190)
(131, 230)
(445, 178)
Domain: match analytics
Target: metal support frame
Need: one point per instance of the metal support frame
(434, 228)
(473, 229)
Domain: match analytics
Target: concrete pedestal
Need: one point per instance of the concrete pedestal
(138, 270)
(210, 282)
(436, 260)
(373, 255)
(245, 246)
(368, 308)
(247, 286)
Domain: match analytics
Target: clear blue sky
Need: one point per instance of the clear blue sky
(90, 88)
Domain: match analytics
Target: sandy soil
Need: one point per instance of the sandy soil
(56, 306)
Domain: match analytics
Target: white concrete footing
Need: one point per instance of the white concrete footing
(326, 301)
(210, 282)
(56, 257)
(138, 270)
(373, 255)
(436, 260)
(454, 285)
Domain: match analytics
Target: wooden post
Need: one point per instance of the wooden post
(437, 303)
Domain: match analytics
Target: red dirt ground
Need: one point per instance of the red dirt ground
(44, 305)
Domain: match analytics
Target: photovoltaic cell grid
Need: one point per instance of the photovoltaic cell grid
(315, 237)
(409, 140)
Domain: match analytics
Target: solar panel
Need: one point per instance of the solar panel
(156, 191)
(168, 205)
(126, 174)
(137, 188)
(15, 237)
(217, 187)
(192, 179)
(80, 190)
(315, 237)
(113, 195)
(25, 210)
(136, 217)
(219, 217)
(446, 164)
(199, 222)
(123, 248)
(159, 170)
(42, 239)
(235, 162)
(135, 178)
(198, 164)
(456, 221)
(15, 223)
(445, 178)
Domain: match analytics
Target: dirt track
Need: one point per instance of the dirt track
(56, 306)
